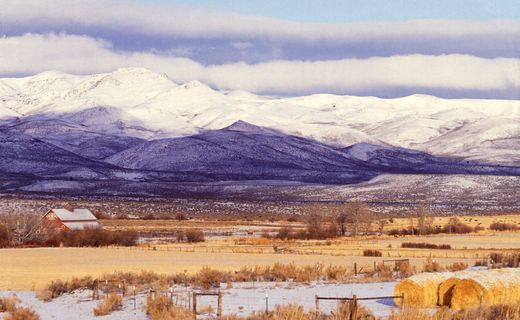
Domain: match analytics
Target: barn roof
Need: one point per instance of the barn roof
(74, 215)
(81, 225)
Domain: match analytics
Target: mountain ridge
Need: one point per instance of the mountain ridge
(139, 103)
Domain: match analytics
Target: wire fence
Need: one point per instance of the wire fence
(464, 253)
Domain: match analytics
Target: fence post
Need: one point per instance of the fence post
(355, 268)
(95, 293)
(317, 301)
(135, 303)
(219, 305)
(353, 308)
(266, 303)
(195, 305)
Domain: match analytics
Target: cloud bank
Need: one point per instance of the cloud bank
(213, 35)
(227, 50)
(33, 53)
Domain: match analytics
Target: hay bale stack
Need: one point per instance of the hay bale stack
(446, 287)
(421, 290)
(501, 286)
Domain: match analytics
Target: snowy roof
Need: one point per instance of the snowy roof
(81, 225)
(74, 215)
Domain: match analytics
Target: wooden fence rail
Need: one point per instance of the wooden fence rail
(217, 294)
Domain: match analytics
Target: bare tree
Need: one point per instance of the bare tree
(381, 223)
(358, 215)
(314, 218)
(23, 227)
(5, 236)
(424, 219)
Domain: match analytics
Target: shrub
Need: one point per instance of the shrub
(180, 236)
(194, 235)
(456, 226)
(111, 303)
(432, 266)
(406, 269)
(161, 308)
(499, 226)
(385, 272)
(5, 236)
(482, 263)
(22, 313)
(422, 245)
(92, 237)
(59, 287)
(372, 253)
(8, 304)
(180, 217)
(208, 278)
(292, 219)
(336, 272)
(285, 233)
(511, 260)
(44, 295)
(457, 266)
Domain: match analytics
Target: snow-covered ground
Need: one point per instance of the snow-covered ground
(77, 306)
(241, 299)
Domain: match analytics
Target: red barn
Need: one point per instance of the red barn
(64, 219)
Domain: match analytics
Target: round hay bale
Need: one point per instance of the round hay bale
(486, 288)
(446, 291)
(420, 290)
(446, 287)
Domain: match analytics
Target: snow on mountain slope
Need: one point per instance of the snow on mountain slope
(23, 154)
(244, 151)
(140, 103)
(74, 138)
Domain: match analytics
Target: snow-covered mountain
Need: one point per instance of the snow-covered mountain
(137, 103)
(33, 157)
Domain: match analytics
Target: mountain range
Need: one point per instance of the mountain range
(136, 132)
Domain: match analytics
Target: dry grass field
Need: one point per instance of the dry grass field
(274, 224)
(31, 268)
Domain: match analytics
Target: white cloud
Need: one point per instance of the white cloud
(242, 45)
(184, 22)
(32, 53)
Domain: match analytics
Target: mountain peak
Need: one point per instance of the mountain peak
(194, 84)
(244, 126)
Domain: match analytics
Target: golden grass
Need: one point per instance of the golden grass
(110, 303)
(15, 312)
(161, 308)
(33, 268)
(8, 304)
(22, 313)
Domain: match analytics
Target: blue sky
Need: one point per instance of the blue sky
(333, 11)
(451, 49)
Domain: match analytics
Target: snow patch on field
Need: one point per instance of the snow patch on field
(241, 299)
